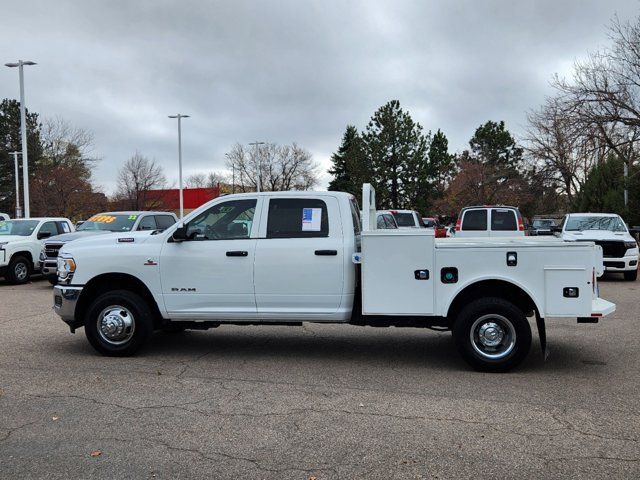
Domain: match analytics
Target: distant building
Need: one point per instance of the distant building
(169, 199)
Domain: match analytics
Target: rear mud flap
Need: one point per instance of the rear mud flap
(542, 333)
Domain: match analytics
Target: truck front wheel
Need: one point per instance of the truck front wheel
(19, 270)
(492, 334)
(118, 323)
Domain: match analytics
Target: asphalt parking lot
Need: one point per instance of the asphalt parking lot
(315, 401)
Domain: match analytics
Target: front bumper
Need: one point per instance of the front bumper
(623, 264)
(65, 300)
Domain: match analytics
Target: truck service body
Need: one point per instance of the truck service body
(289, 257)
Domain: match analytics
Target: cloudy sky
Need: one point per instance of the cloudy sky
(284, 71)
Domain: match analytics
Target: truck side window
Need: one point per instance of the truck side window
(297, 218)
(503, 220)
(475, 220)
(147, 223)
(164, 221)
(224, 221)
(48, 227)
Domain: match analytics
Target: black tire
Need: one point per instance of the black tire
(19, 270)
(127, 307)
(500, 319)
(631, 276)
(53, 279)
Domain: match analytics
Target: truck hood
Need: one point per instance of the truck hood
(111, 238)
(67, 237)
(593, 235)
(13, 238)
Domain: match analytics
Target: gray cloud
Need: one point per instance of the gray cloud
(287, 71)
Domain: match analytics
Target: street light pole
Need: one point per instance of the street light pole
(259, 182)
(23, 133)
(15, 162)
(180, 117)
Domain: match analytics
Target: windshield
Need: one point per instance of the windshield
(543, 223)
(23, 228)
(612, 224)
(405, 219)
(110, 223)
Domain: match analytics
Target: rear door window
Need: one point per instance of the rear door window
(475, 220)
(147, 223)
(164, 221)
(297, 218)
(405, 219)
(503, 219)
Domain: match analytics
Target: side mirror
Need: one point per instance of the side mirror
(179, 234)
(42, 235)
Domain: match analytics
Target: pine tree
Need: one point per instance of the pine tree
(350, 167)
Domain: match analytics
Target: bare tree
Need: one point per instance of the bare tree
(136, 178)
(205, 180)
(273, 167)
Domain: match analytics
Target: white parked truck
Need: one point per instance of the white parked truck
(21, 242)
(291, 257)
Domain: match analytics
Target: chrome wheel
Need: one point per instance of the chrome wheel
(21, 271)
(493, 336)
(116, 325)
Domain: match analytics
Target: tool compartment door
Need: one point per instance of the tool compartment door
(393, 272)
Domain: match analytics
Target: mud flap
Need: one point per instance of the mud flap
(542, 333)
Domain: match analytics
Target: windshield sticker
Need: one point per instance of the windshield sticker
(226, 209)
(102, 219)
(311, 218)
(133, 217)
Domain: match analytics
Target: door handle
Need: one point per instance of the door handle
(327, 252)
(237, 253)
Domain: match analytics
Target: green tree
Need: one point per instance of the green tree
(350, 166)
(9, 142)
(397, 150)
(603, 190)
(441, 162)
(493, 144)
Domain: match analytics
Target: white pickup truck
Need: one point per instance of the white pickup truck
(21, 242)
(291, 257)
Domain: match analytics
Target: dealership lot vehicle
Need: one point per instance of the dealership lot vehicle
(543, 226)
(21, 244)
(102, 223)
(407, 218)
(246, 259)
(608, 230)
(490, 221)
(385, 220)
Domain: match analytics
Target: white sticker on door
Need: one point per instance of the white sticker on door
(311, 219)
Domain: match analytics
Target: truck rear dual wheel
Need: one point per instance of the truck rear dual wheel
(492, 334)
(19, 270)
(118, 323)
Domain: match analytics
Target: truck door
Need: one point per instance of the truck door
(504, 222)
(299, 264)
(474, 223)
(211, 274)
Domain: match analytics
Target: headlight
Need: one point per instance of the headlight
(630, 244)
(66, 268)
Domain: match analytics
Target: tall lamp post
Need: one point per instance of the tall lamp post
(259, 182)
(23, 133)
(179, 116)
(15, 162)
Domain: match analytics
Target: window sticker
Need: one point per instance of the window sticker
(311, 218)
(65, 227)
(133, 217)
(103, 219)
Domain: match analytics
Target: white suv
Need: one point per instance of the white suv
(21, 242)
(490, 221)
(619, 248)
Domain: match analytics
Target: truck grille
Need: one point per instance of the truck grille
(51, 249)
(612, 248)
